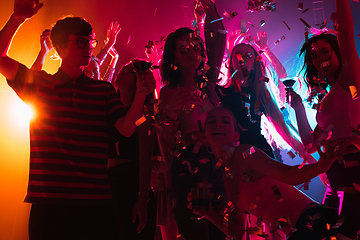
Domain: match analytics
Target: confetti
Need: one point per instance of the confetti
(188, 165)
(277, 193)
(197, 147)
(306, 24)
(300, 6)
(291, 154)
(305, 10)
(333, 17)
(243, 26)
(230, 15)
(173, 67)
(204, 160)
(265, 79)
(128, 41)
(140, 121)
(354, 92)
(155, 12)
(117, 148)
(286, 25)
(280, 39)
(216, 20)
(305, 186)
(248, 152)
(262, 23)
(261, 5)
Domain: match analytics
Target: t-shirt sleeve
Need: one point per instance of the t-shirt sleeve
(116, 109)
(25, 83)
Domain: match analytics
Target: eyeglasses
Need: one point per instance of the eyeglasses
(83, 42)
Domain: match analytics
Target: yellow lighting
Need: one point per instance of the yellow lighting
(22, 113)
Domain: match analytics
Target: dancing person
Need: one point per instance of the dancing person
(45, 48)
(186, 98)
(257, 184)
(93, 69)
(68, 185)
(129, 164)
(331, 66)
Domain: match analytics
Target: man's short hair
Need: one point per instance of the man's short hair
(69, 26)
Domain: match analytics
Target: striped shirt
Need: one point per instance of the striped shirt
(68, 136)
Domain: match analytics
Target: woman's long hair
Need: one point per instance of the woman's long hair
(267, 93)
(169, 74)
(308, 70)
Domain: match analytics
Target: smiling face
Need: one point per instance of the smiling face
(73, 54)
(242, 62)
(187, 53)
(220, 128)
(324, 58)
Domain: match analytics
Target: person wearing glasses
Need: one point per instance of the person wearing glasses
(68, 183)
(92, 70)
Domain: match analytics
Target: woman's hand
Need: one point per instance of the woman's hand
(112, 32)
(145, 82)
(295, 100)
(261, 40)
(45, 42)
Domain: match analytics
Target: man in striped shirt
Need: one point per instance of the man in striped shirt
(68, 185)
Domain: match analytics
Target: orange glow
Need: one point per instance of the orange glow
(21, 112)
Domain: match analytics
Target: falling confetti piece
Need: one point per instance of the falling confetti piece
(300, 6)
(128, 40)
(305, 10)
(286, 25)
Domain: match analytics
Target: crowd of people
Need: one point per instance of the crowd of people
(113, 158)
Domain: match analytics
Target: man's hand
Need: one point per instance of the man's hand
(25, 9)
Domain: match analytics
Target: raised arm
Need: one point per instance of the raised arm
(292, 175)
(261, 42)
(109, 74)
(145, 84)
(215, 36)
(23, 10)
(349, 74)
(45, 47)
(111, 36)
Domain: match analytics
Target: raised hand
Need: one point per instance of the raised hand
(145, 82)
(26, 8)
(112, 32)
(155, 52)
(296, 100)
(261, 39)
(45, 42)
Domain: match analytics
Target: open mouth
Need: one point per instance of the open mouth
(216, 134)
